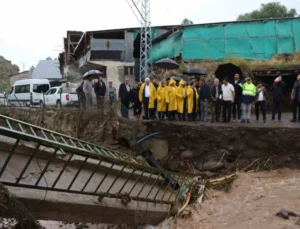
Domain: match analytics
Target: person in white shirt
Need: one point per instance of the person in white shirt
(228, 99)
(147, 96)
(260, 101)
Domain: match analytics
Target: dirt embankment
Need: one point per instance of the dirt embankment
(233, 147)
(217, 149)
(88, 126)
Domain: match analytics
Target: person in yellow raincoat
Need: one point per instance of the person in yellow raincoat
(171, 99)
(181, 100)
(161, 100)
(192, 101)
(147, 96)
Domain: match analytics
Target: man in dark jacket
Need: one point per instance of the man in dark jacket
(216, 98)
(260, 101)
(137, 105)
(124, 96)
(100, 91)
(236, 106)
(204, 96)
(278, 97)
(295, 96)
(81, 96)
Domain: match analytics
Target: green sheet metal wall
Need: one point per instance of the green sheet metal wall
(248, 40)
(167, 48)
(153, 32)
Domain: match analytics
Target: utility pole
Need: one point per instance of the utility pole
(146, 38)
(142, 8)
(23, 66)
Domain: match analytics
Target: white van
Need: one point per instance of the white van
(28, 92)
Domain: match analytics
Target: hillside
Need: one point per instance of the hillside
(6, 69)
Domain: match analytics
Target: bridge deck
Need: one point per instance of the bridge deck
(81, 174)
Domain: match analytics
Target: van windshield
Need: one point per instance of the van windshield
(40, 88)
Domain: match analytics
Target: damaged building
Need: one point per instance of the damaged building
(114, 52)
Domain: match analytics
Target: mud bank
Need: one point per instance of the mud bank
(193, 147)
(234, 146)
(88, 126)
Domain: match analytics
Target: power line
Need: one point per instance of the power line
(131, 7)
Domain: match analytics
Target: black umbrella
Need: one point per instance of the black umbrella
(93, 73)
(167, 64)
(228, 70)
(176, 78)
(195, 72)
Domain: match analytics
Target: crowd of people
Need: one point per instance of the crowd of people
(85, 93)
(167, 99)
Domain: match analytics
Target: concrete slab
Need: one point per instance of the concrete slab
(61, 206)
(49, 205)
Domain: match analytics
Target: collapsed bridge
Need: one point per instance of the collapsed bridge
(58, 177)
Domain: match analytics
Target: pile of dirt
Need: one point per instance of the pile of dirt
(252, 202)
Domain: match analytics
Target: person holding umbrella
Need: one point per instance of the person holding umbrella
(88, 92)
(88, 86)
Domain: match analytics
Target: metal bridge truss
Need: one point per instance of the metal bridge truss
(122, 176)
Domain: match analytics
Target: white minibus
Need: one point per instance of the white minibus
(28, 92)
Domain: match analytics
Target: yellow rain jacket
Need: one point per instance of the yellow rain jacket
(171, 96)
(161, 98)
(152, 94)
(190, 99)
(180, 96)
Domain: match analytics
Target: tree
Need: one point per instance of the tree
(48, 58)
(186, 22)
(269, 10)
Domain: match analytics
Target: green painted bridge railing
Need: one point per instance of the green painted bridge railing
(110, 174)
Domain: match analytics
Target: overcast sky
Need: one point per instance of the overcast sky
(32, 30)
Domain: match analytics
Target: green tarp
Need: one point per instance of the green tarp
(167, 48)
(248, 40)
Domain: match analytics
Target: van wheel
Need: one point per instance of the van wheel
(42, 105)
(58, 104)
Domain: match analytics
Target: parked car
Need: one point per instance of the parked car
(55, 97)
(28, 92)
